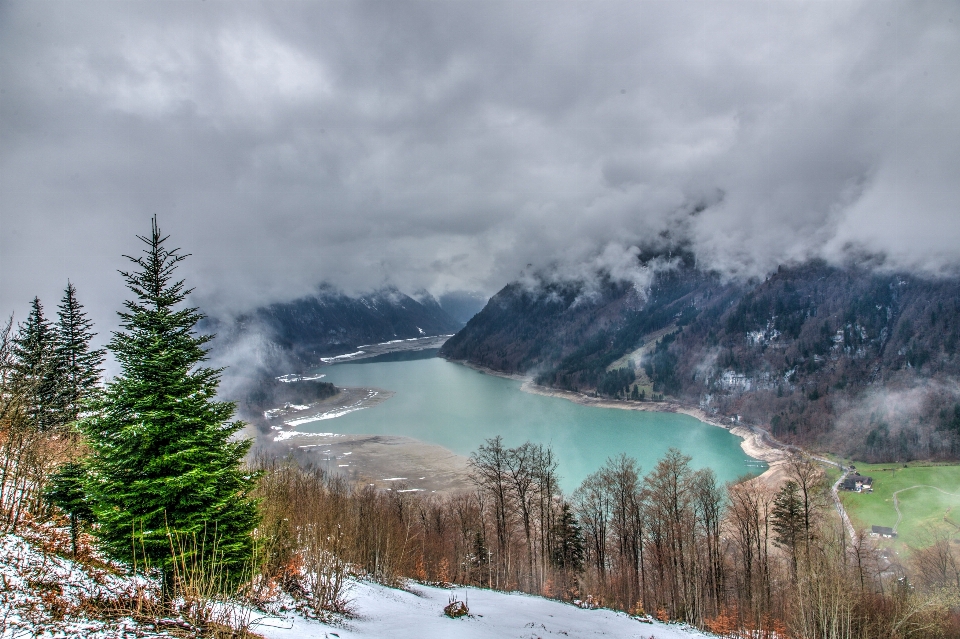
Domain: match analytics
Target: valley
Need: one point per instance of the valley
(499, 320)
(455, 407)
(837, 359)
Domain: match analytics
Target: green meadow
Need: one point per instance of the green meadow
(924, 508)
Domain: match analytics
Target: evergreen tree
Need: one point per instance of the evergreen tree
(788, 520)
(65, 490)
(36, 369)
(568, 551)
(480, 553)
(164, 466)
(79, 366)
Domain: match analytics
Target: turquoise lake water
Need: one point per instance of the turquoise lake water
(457, 407)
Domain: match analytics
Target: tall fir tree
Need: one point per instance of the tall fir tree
(788, 521)
(79, 365)
(36, 369)
(164, 463)
(568, 549)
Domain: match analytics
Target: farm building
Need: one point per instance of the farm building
(857, 483)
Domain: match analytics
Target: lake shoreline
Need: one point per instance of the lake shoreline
(753, 440)
(373, 457)
(388, 462)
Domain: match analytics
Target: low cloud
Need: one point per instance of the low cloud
(897, 420)
(446, 146)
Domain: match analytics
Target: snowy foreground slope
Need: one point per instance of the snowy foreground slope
(387, 613)
(45, 595)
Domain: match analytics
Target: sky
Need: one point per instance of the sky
(452, 145)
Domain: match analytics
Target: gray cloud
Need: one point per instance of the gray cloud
(447, 145)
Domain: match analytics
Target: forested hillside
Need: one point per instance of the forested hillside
(805, 351)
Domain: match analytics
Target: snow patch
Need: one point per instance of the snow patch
(299, 378)
(378, 611)
(327, 360)
(287, 434)
(333, 414)
(43, 595)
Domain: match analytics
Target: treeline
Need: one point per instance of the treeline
(147, 461)
(48, 372)
(265, 391)
(269, 392)
(740, 560)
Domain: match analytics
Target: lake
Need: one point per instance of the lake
(457, 407)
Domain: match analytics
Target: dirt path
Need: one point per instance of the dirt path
(836, 497)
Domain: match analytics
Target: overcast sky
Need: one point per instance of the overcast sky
(447, 145)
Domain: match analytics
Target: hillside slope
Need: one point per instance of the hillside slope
(804, 351)
(46, 595)
(418, 614)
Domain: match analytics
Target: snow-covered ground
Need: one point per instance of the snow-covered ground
(44, 595)
(382, 612)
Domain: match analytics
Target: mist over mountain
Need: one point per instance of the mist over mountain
(462, 305)
(463, 146)
(861, 361)
(287, 337)
(447, 145)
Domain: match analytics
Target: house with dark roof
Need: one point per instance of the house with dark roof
(883, 531)
(857, 483)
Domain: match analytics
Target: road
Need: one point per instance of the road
(848, 525)
(836, 497)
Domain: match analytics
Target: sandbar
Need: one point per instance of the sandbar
(385, 461)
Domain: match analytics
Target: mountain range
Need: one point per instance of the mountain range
(851, 359)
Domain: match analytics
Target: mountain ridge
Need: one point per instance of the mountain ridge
(845, 358)
(293, 336)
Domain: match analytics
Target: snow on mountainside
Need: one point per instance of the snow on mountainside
(45, 595)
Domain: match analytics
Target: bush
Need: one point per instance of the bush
(456, 609)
